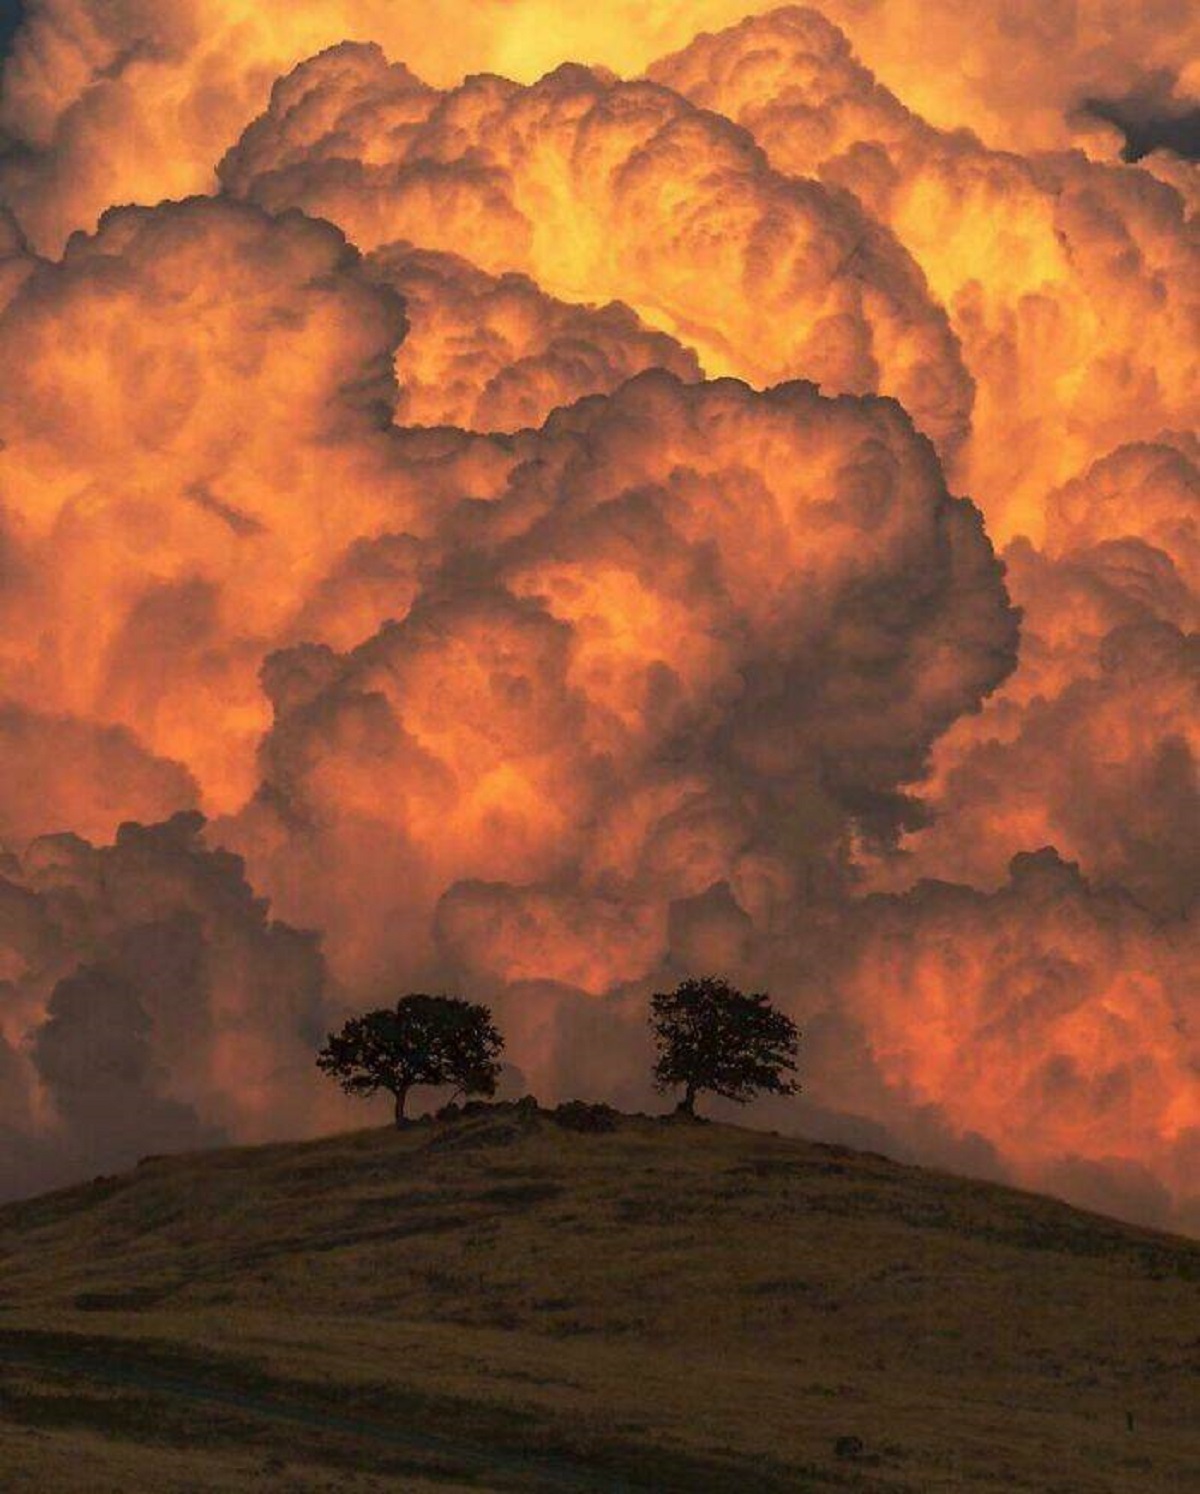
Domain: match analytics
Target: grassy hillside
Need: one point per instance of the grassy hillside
(498, 1302)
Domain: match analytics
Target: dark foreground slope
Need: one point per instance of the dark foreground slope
(498, 1302)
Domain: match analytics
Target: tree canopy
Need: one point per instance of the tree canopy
(711, 1036)
(435, 1040)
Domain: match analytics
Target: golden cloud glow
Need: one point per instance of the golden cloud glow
(555, 486)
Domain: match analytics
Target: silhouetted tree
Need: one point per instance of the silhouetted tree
(433, 1040)
(711, 1036)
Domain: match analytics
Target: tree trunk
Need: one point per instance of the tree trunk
(687, 1106)
(400, 1096)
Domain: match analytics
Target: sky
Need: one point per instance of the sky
(659, 494)
(10, 19)
(1151, 128)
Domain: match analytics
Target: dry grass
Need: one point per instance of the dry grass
(674, 1307)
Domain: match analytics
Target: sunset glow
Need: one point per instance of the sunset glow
(582, 496)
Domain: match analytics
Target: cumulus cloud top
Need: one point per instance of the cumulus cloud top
(130, 100)
(1070, 285)
(619, 189)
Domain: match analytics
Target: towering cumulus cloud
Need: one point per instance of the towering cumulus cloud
(701, 633)
(1093, 744)
(119, 100)
(1071, 286)
(603, 188)
(540, 501)
(195, 435)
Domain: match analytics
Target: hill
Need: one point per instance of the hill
(503, 1301)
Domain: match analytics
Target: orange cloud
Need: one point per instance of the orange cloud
(132, 100)
(1071, 286)
(386, 502)
(495, 353)
(1047, 1014)
(773, 593)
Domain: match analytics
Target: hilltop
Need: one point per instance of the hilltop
(499, 1300)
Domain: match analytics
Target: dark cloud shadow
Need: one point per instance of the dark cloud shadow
(1151, 124)
(12, 13)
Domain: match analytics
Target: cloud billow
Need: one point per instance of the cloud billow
(568, 529)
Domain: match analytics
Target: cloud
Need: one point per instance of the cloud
(197, 381)
(59, 771)
(697, 635)
(520, 660)
(495, 353)
(148, 1003)
(604, 189)
(132, 101)
(197, 463)
(1061, 1008)
(93, 1055)
(1015, 71)
(1071, 286)
(17, 261)
(1151, 122)
(1092, 744)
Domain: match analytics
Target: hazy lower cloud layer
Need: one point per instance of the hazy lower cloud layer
(550, 503)
(148, 1003)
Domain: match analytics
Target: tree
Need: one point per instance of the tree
(422, 1040)
(711, 1036)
